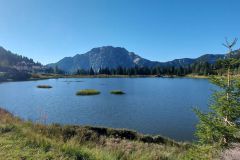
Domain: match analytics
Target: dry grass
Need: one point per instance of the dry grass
(232, 153)
(26, 140)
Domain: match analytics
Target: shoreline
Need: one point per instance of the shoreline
(81, 142)
(57, 76)
(122, 133)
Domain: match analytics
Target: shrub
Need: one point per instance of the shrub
(68, 132)
(6, 128)
(123, 134)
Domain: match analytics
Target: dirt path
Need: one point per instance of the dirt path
(232, 153)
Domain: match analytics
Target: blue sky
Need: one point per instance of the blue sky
(162, 30)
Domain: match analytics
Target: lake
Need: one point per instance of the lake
(158, 106)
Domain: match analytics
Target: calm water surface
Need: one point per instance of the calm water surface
(151, 105)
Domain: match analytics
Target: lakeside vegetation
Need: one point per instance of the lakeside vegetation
(118, 92)
(87, 92)
(26, 140)
(219, 128)
(44, 86)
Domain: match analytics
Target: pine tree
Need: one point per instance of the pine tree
(91, 71)
(220, 125)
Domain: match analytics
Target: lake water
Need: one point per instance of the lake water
(158, 106)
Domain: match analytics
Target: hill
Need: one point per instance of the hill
(17, 67)
(18, 62)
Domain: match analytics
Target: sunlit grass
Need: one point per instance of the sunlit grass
(88, 92)
(27, 140)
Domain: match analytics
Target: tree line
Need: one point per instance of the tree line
(199, 68)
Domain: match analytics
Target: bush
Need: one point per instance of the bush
(68, 132)
(122, 133)
(6, 128)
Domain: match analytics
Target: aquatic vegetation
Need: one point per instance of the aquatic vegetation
(88, 92)
(44, 86)
(118, 92)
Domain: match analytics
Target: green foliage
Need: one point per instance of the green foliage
(7, 128)
(202, 152)
(221, 124)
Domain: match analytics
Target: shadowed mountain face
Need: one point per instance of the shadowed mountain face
(103, 57)
(113, 57)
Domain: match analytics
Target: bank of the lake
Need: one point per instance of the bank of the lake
(35, 77)
(26, 140)
(51, 76)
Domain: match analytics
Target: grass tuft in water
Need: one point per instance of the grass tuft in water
(118, 92)
(87, 92)
(44, 86)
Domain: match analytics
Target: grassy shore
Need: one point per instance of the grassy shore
(52, 76)
(26, 140)
(56, 76)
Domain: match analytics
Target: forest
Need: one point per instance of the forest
(200, 68)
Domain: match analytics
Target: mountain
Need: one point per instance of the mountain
(113, 57)
(102, 57)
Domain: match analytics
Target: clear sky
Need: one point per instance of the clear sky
(162, 30)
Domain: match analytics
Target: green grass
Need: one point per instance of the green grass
(88, 92)
(26, 140)
(44, 86)
(118, 92)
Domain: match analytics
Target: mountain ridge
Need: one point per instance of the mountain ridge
(113, 57)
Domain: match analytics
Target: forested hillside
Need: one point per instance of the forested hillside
(16, 67)
(205, 65)
(8, 59)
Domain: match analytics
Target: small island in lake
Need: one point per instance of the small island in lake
(117, 92)
(88, 92)
(44, 86)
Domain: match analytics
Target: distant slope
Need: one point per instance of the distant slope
(11, 61)
(113, 57)
(17, 67)
(8, 59)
